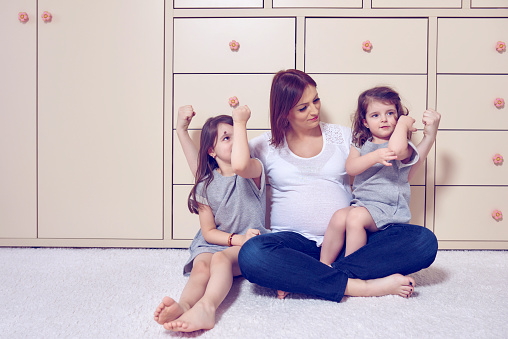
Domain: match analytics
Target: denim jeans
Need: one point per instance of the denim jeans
(290, 262)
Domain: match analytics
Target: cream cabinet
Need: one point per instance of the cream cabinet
(18, 119)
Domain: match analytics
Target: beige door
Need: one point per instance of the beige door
(18, 198)
(100, 82)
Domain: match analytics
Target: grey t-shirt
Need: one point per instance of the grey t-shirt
(384, 190)
(237, 205)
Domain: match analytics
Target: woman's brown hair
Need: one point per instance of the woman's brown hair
(287, 89)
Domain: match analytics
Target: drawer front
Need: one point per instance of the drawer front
(417, 205)
(339, 94)
(416, 3)
(209, 96)
(469, 45)
(465, 213)
(337, 45)
(185, 224)
(202, 45)
(466, 158)
(318, 3)
(469, 101)
(218, 4)
(489, 4)
(181, 171)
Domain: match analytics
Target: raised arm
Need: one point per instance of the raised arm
(398, 140)
(430, 121)
(185, 115)
(242, 163)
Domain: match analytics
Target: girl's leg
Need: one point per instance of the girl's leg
(169, 309)
(334, 236)
(358, 222)
(401, 248)
(223, 267)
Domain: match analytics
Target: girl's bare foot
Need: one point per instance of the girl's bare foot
(168, 310)
(395, 284)
(199, 317)
(282, 294)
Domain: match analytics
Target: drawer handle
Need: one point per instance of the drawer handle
(499, 102)
(367, 46)
(497, 215)
(501, 46)
(22, 16)
(234, 45)
(46, 16)
(233, 101)
(498, 159)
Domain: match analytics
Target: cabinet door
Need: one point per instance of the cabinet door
(336, 45)
(416, 3)
(18, 197)
(318, 3)
(100, 82)
(489, 4)
(218, 4)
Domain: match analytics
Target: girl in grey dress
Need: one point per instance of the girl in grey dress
(380, 159)
(229, 197)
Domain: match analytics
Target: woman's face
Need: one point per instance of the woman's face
(305, 114)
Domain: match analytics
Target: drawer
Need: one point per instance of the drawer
(489, 4)
(417, 205)
(339, 94)
(468, 45)
(317, 3)
(181, 172)
(465, 213)
(468, 101)
(218, 4)
(416, 3)
(185, 224)
(209, 96)
(202, 45)
(466, 158)
(336, 45)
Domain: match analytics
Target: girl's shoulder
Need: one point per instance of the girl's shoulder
(336, 134)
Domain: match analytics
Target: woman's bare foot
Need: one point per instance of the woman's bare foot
(168, 310)
(199, 317)
(282, 294)
(395, 284)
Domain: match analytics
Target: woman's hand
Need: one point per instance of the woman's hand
(185, 115)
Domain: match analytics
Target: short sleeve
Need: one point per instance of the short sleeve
(414, 157)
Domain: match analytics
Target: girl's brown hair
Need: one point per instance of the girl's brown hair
(382, 94)
(206, 163)
(287, 89)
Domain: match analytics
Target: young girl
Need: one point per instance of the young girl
(229, 197)
(380, 159)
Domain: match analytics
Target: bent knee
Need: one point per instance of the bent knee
(219, 258)
(201, 268)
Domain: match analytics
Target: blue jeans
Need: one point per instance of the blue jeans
(290, 262)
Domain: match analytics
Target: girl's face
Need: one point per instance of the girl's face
(223, 146)
(381, 120)
(305, 114)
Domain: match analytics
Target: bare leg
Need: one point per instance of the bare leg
(223, 267)
(395, 284)
(358, 222)
(169, 309)
(335, 234)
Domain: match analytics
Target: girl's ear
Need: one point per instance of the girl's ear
(364, 121)
(211, 152)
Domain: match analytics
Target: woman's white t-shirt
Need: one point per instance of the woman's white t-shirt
(306, 191)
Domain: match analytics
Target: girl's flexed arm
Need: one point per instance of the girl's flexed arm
(242, 163)
(356, 164)
(431, 121)
(185, 115)
(214, 236)
(398, 140)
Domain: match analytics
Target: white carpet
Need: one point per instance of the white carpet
(112, 293)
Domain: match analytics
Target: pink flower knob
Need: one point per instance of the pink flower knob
(501, 46)
(497, 215)
(234, 45)
(22, 16)
(233, 101)
(367, 46)
(499, 102)
(498, 159)
(46, 16)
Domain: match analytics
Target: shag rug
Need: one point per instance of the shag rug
(112, 293)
